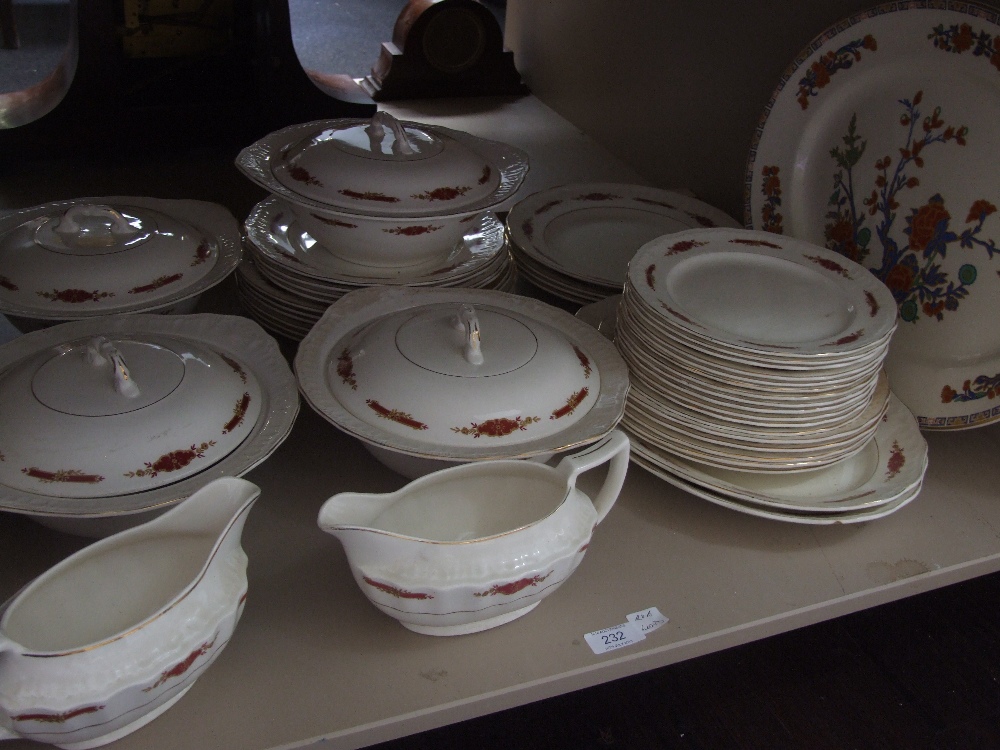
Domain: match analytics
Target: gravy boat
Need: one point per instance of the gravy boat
(114, 635)
(474, 546)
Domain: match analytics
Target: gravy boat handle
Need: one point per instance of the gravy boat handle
(615, 448)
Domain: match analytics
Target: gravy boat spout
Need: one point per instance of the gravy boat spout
(115, 634)
(477, 545)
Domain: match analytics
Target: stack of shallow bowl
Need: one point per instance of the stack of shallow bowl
(756, 366)
(575, 241)
(359, 202)
(289, 279)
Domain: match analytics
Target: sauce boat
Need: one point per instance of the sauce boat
(114, 635)
(477, 545)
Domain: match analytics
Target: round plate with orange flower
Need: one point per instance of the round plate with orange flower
(880, 143)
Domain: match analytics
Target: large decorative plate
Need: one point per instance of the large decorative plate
(880, 143)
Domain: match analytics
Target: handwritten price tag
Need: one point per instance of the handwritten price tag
(648, 620)
(632, 631)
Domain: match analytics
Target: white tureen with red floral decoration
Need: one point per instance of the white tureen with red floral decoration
(128, 413)
(86, 257)
(461, 374)
(383, 192)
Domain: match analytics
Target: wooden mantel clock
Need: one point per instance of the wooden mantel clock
(444, 48)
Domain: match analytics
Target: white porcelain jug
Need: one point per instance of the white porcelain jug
(114, 635)
(477, 545)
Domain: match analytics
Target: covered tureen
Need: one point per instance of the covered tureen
(81, 258)
(384, 192)
(124, 414)
(460, 374)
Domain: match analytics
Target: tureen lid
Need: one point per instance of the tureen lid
(384, 167)
(460, 373)
(231, 338)
(107, 415)
(95, 256)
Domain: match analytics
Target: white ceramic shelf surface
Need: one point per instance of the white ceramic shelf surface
(312, 659)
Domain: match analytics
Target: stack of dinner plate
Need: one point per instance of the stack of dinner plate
(755, 364)
(288, 280)
(575, 241)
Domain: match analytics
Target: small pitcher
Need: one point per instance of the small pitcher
(472, 547)
(114, 635)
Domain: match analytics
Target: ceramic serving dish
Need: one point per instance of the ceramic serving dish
(113, 636)
(81, 415)
(384, 193)
(475, 546)
(110, 419)
(86, 257)
(455, 375)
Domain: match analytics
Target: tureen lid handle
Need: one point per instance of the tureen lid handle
(116, 231)
(376, 131)
(468, 321)
(100, 351)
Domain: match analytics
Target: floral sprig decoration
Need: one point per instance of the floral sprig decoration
(959, 38)
(913, 272)
(819, 73)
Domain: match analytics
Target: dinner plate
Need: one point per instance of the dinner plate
(676, 345)
(590, 231)
(755, 376)
(891, 464)
(776, 514)
(763, 293)
(732, 419)
(713, 453)
(602, 314)
(880, 143)
(660, 325)
(835, 443)
(559, 284)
